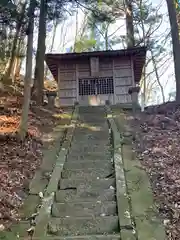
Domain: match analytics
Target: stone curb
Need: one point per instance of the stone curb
(143, 210)
(38, 183)
(33, 203)
(86, 237)
(45, 210)
(124, 213)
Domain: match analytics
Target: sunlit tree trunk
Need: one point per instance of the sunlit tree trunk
(129, 24)
(76, 33)
(40, 55)
(27, 81)
(175, 44)
(157, 76)
(15, 43)
(52, 44)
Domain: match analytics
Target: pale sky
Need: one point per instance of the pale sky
(66, 33)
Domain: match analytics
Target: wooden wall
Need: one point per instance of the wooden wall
(67, 83)
(69, 73)
(123, 79)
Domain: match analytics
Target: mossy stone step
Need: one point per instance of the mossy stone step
(81, 141)
(87, 237)
(95, 152)
(85, 195)
(89, 155)
(87, 164)
(86, 183)
(19, 230)
(90, 138)
(94, 173)
(87, 147)
(84, 209)
(82, 226)
(38, 183)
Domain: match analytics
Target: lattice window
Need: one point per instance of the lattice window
(93, 86)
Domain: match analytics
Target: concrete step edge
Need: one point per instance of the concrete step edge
(85, 237)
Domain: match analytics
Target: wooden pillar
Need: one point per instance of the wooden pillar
(132, 72)
(77, 82)
(114, 83)
(58, 92)
(133, 91)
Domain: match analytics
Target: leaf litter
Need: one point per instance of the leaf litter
(19, 160)
(158, 147)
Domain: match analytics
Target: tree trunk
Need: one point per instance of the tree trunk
(76, 33)
(17, 68)
(14, 47)
(13, 54)
(157, 76)
(17, 60)
(175, 44)
(144, 97)
(129, 24)
(27, 81)
(52, 44)
(106, 38)
(40, 55)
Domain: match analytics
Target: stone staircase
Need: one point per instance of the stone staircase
(85, 203)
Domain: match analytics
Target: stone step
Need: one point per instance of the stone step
(89, 155)
(92, 109)
(84, 209)
(92, 135)
(82, 226)
(86, 183)
(85, 195)
(81, 158)
(84, 141)
(87, 237)
(91, 148)
(87, 164)
(91, 130)
(93, 173)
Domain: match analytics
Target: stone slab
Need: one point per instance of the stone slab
(38, 183)
(20, 229)
(87, 184)
(85, 195)
(88, 173)
(87, 164)
(87, 237)
(88, 148)
(45, 210)
(121, 191)
(89, 155)
(29, 206)
(147, 222)
(49, 159)
(144, 211)
(81, 145)
(129, 235)
(84, 209)
(82, 226)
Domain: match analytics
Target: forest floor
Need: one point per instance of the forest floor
(19, 160)
(157, 145)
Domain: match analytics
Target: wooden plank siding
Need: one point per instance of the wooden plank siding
(70, 72)
(123, 79)
(106, 67)
(67, 83)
